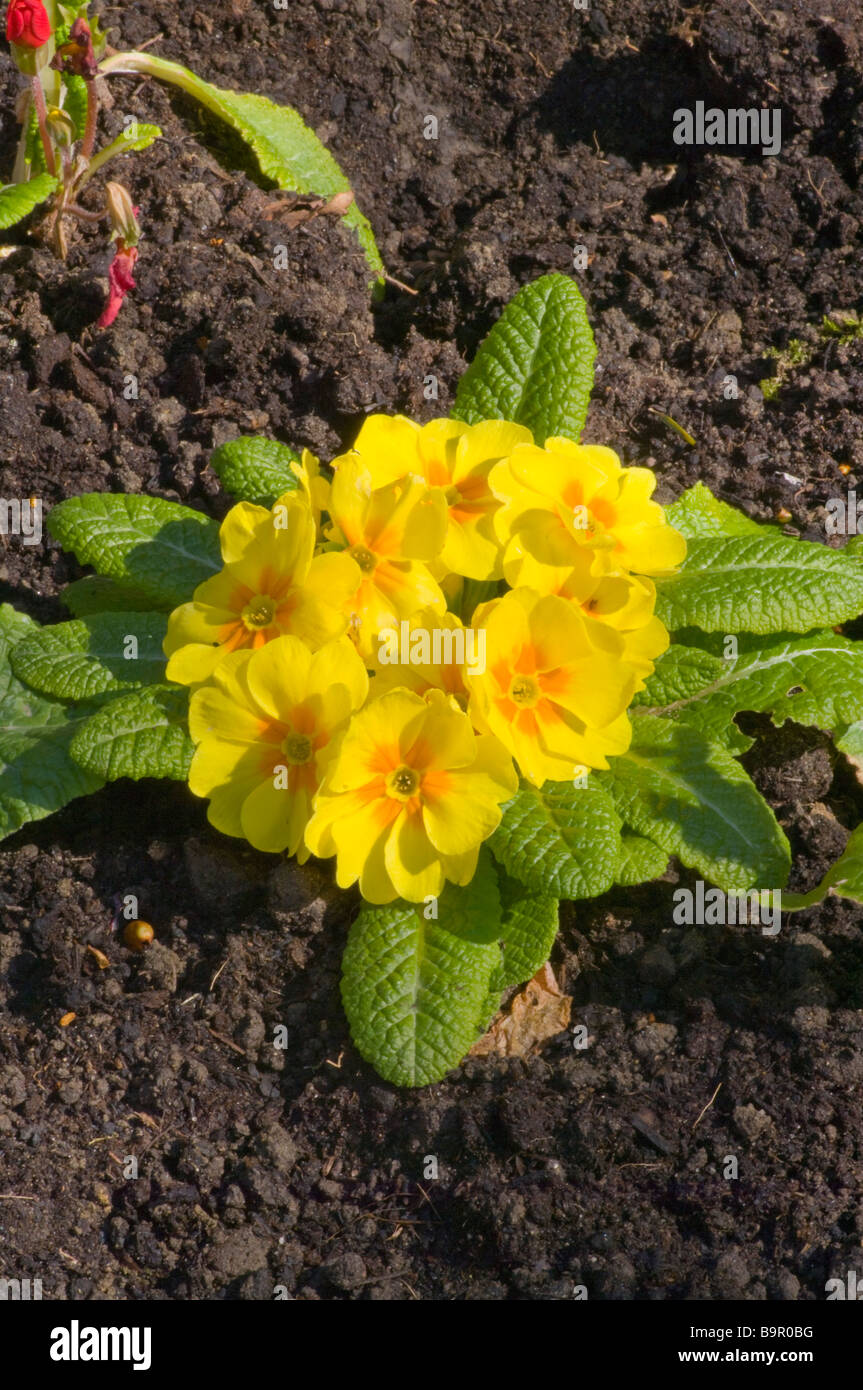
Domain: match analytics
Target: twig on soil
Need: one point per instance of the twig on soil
(399, 284)
(218, 972)
(16, 1197)
(763, 18)
(228, 1042)
(707, 1106)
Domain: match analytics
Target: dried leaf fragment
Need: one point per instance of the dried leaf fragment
(538, 1012)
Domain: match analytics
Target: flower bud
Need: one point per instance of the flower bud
(61, 127)
(28, 29)
(76, 55)
(124, 224)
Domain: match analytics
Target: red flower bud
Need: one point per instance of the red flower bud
(120, 282)
(27, 23)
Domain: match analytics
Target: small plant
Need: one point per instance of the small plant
(64, 57)
(444, 663)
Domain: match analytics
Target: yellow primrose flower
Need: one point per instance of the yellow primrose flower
(426, 652)
(270, 585)
(567, 496)
(390, 532)
(410, 797)
(624, 601)
(556, 686)
(266, 727)
(456, 459)
(313, 483)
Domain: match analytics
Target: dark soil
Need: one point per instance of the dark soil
(602, 1166)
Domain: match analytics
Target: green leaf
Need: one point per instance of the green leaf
(844, 878)
(816, 679)
(87, 657)
(17, 200)
(75, 101)
(134, 138)
(536, 365)
(559, 839)
(762, 584)
(698, 514)
(641, 861)
(473, 911)
(96, 593)
(415, 994)
(37, 775)
(255, 470)
(287, 151)
(144, 734)
(850, 740)
(159, 547)
(692, 798)
(529, 927)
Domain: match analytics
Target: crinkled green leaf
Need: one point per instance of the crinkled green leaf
(698, 514)
(473, 910)
(536, 365)
(37, 774)
(414, 993)
(162, 548)
(559, 839)
(75, 101)
(17, 200)
(143, 734)
(692, 798)
(816, 679)
(96, 593)
(529, 925)
(86, 657)
(761, 584)
(641, 861)
(255, 470)
(844, 878)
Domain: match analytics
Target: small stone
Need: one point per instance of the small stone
(751, 1123)
(276, 1146)
(731, 1275)
(13, 1086)
(346, 1272)
(241, 1252)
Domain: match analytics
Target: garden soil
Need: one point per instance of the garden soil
(607, 1166)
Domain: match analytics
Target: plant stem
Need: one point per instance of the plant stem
(90, 127)
(42, 116)
(84, 213)
(150, 66)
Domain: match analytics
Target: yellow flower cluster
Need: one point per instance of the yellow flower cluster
(339, 708)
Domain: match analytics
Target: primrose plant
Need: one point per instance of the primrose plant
(473, 662)
(65, 58)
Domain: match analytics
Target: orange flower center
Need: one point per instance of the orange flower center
(402, 783)
(364, 558)
(259, 612)
(524, 691)
(297, 748)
